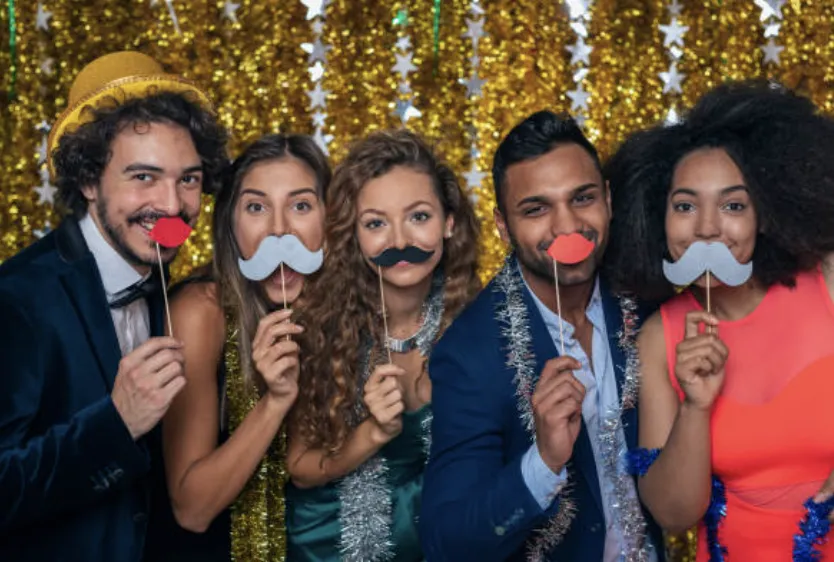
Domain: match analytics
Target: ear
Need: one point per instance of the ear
(608, 198)
(449, 228)
(501, 225)
(90, 193)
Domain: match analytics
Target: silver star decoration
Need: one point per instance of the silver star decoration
(473, 84)
(404, 65)
(580, 119)
(43, 17)
(404, 43)
(46, 66)
(319, 118)
(672, 117)
(579, 28)
(404, 88)
(674, 8)
(579, 98)
(318, 27)
(229, 10)
(671, 79)
(46, 193)
(315, 7)
(43, 127)
(475, 9)
(317, 50)
(42, 150)
(772, 29)
(473, 198)
(41, 232)
(770, 8)
(673, 33)
(44, 174)
(474, 30)
(318, 97)
(771, 51)
(316, 71)
(405, 110)
(322, 141)
(474, 176)
(676, 52)
(577, 8)
(580, 74)
(475, 61)
(580, 52)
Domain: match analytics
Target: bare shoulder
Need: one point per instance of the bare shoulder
(651, 342)
(198, 317)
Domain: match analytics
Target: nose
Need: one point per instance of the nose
(400, 238)
(564, 221)
(169, 200)
(280, 224)
(707, 225)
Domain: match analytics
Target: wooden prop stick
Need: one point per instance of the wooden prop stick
(709, 302)
(284, 292)
(164, 291)
(559, 306)
(384, 314)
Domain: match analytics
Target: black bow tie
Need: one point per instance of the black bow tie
(140, 290)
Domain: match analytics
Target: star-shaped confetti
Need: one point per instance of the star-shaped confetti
(46, 66)
(580, 52)
(315, 8)
(42, 18)
(671, 79)
(230, 10)
(473, 84)
(474, 30)
(319, 118)
(42, 150)
(316, 71)
(579, 98)
(771, 51)
(43, 127)
(405, 110)
(474, 176)
(673, 33)
(672, 117)
(404, 43)
(674, 8)
(577, 9)
(322, 141)
(318, 97)
(46, 193)
(318, 26)
(770, 8)
(404, 65)
(317, 50)
(41, 232)
(475, 9)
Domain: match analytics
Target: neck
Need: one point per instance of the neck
(142, 269)
(404, 306)
(573, 299)
(731, 303)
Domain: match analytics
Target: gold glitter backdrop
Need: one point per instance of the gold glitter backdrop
(248, 55)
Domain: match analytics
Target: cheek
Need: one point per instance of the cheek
(310, 229)
(247, 236)
(370, 242)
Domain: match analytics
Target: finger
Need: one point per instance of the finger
(383, 371)
(160, 361)
(280, 368)
(149, 348)
(546, 387)
(391, 412)
(164, 376)
(826, 490)
(560, 394)
(170, 390)
(268, 321)
(280, 349)
(694, 320)
(280, 331)
(710, 353)
(566, 409)
(558, 364)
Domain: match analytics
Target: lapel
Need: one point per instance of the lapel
(544, 350)
(156, 309)
(614, 325)
(85, 291)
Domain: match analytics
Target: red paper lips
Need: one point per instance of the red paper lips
(170, 232)
(570, 249)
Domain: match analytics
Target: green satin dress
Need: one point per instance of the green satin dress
(313, 527)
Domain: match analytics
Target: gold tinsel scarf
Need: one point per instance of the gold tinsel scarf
(259, 530)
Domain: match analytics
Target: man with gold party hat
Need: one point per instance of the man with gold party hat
(86, 374)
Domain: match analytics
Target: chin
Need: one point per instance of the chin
(407, 276)
(275, 293)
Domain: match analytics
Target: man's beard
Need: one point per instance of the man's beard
(120, 245)
(540, 265)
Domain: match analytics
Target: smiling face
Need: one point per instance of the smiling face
(154, 171)
(400, 209)
(559, 193)
(279, 197)
(709, 201)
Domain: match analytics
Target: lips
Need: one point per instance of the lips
(170, 232)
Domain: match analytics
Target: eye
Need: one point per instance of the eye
(302, 206)
(373, 224)
(254, 207)
(420, 216)
(584, 198)
(191, 179)
(533, 211)
(143, 177)
(683, 207)
(735, 206)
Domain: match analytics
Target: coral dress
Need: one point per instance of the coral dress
(772, 427)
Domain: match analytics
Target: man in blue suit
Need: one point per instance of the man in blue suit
(527, 444)
(86, 375)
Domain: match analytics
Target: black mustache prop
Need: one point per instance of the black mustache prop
(393, 256)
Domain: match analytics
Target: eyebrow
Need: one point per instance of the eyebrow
(726, 191)
(417, 204)
(140, 167)
(540, 199)
(295, 193)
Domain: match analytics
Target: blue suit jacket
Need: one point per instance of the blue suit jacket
(72, 480)
(475, 503)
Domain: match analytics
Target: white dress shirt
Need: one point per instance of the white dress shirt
(132, 322)
(601, 395)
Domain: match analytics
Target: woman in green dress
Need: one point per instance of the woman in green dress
(399, 230)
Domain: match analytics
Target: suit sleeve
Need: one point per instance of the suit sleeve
(476, 504)
(62, 468)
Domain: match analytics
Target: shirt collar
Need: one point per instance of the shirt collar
(116, 273)
(594, 310)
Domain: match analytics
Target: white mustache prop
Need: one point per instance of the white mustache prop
(701, 257)
(275, 250)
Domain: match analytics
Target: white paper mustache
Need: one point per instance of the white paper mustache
(702, 256)
(275, 250)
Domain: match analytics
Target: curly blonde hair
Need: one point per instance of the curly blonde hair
(340, 306)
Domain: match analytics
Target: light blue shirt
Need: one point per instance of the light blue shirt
(601, 395)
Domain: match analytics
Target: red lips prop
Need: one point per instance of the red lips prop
(570, 249)
(170, 232)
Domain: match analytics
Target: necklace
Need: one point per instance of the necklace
(429, 322)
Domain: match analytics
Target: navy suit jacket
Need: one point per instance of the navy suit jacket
(475, 503)
(73, 482)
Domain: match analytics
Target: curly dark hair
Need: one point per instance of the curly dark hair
(82, 155)
(342, 301)
(784, 149)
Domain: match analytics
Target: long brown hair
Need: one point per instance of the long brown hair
(244, 298)
(340, 308)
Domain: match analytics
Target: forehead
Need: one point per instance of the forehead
(398, 188)
(707, 169)
(159, 144)
(562, 169)
(279, 177)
